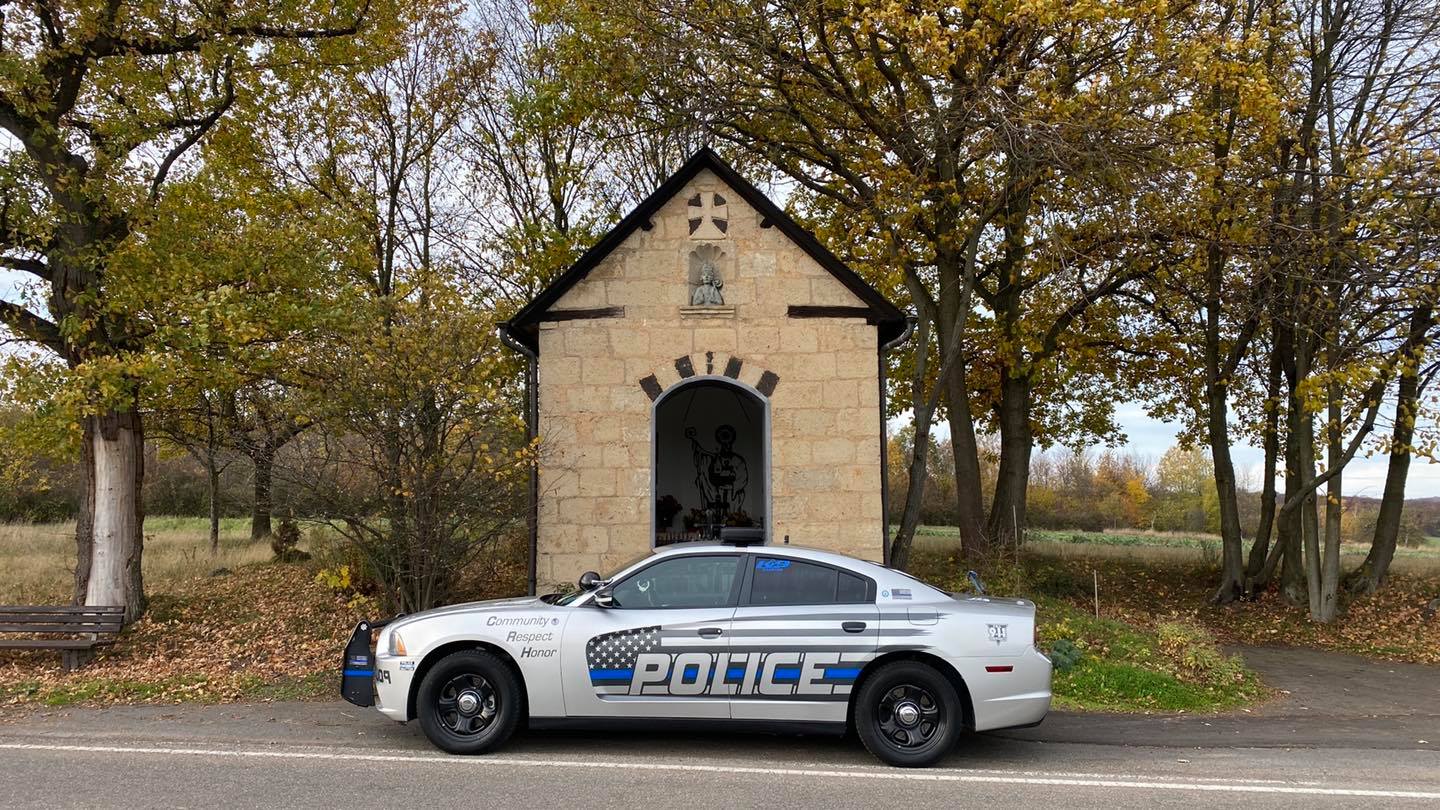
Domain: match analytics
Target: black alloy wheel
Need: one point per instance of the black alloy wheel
(469, 702)
(908, 714)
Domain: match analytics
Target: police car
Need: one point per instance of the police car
(766, 637)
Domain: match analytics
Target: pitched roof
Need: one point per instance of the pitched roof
(888, 317)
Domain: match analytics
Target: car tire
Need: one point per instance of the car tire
(469, 702)
(907, 714)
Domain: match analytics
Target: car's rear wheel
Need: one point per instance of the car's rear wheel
(469, 702)
(908, 714)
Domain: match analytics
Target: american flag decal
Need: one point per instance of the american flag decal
(611, 657)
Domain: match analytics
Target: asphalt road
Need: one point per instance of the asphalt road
(1345, 732)
(333, 755)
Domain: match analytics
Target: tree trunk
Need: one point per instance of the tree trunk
(969, 503)
(1217, 403)
(1232, 571)
(1371, 575)
(212, 472)
(1258, 573)
(1334, 511)
(914, 496)
(969, 506)
(1007, 510)
(84, 519)
(117, 514)
(263, 505)
(1292, 559)
(1304, 439)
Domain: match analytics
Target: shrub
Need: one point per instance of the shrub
(1065, 655)
(284, 542)
(1191, 652)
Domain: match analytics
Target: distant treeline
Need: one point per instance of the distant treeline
(174, 485)
(1098, 490)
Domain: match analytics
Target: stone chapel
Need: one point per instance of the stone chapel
(708, 363)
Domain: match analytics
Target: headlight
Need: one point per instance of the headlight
(397, 644)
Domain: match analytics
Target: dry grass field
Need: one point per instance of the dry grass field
(37, 561)
(1168, 548)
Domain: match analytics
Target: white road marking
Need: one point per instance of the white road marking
(937, 775)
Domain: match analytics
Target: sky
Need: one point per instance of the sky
(1365, 477)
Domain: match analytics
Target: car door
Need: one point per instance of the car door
(802, 633)
(656, 651)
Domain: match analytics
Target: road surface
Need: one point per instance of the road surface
(1349, 734)
(333, 755)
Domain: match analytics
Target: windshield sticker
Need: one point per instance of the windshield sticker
(764, 564)
(637, 662)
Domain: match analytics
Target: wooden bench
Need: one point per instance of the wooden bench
(96, 627)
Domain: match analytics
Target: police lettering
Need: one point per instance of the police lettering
(811, 674)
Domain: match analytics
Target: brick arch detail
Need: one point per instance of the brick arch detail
(709, 364)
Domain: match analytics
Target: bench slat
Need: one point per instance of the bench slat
(66, 620)
(59, 628)
(103, 610)
(52, 644)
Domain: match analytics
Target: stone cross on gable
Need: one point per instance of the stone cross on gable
(709, 216)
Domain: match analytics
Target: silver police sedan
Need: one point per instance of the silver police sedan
(748, 636)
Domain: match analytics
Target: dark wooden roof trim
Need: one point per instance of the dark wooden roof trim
(815, 311)
(582, 314)
(885, 314)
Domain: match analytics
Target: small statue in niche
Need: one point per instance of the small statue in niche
(721, 476)
(706, 277)
(707, 292)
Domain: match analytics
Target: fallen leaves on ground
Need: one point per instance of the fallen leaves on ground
(1388, 625)
(262, 632)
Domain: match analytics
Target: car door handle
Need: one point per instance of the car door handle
(853, 627)
(710, 632)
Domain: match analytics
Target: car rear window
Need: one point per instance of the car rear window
(781, 581)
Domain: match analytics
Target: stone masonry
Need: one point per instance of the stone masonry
(598, 377)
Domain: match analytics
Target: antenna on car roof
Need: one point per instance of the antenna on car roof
(742, 536)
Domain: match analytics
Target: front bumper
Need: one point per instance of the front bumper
(370, 677)
(393, 675)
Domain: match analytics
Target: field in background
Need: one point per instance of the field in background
(1164, 547)
(37, 561)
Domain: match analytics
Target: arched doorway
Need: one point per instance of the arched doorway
(710, 459)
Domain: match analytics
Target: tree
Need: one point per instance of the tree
(260, 419)
(937, 147)
(104, 101)
(200, 433)
(419, 455)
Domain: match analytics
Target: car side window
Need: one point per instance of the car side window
(781, 581)
(680, 582)
(851, 589)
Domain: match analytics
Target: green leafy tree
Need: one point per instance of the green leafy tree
(103, 104)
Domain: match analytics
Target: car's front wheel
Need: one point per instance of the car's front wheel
(908, 714)
(469, 702)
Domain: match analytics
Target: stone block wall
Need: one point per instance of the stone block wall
(598, 378)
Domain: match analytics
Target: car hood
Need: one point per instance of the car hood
(484, 606)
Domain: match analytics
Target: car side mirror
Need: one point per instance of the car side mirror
(589, 580)
(604, 598)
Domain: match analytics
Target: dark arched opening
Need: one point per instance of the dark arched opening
(710, 459)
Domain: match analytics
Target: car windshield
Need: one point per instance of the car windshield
(571, 597)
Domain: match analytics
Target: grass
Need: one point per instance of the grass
(38, 560)
(1121, 666)
(255, 631)
(265, 631)
(1161, 547)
